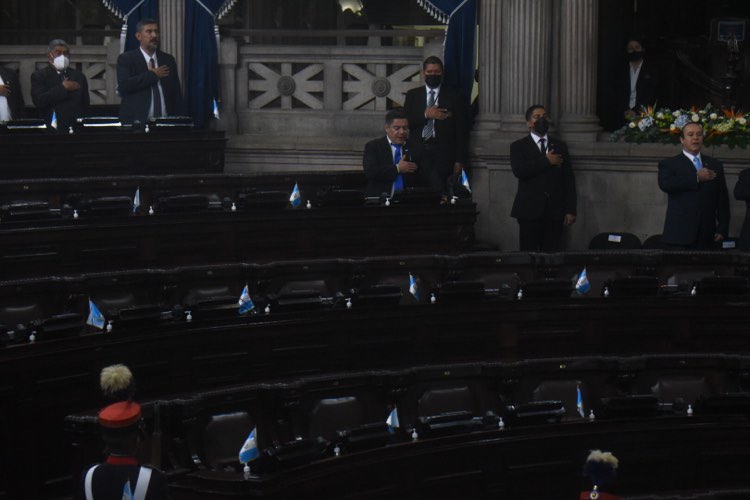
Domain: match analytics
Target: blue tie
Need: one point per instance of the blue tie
(398, 184)
(697, 162)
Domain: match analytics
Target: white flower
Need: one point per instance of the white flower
(713, 116)
(676, 113)
(673, 127)
(660, 115)
(632, 125)
(742, 121)
(695, 117)
(645, 123)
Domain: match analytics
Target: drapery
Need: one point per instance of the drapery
(202, 57)
(132, 11)
(458, 50)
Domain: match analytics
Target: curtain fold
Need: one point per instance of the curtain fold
(458, 49)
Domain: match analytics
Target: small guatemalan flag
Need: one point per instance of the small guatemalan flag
(53, 121)
(295, 198)
(579, 402)
(246, 302)
(137, 199)
(413, 287)
(96, 318)
(216, 109)
(392, 420)
(465, 180)
(582, 285)
(249, 450)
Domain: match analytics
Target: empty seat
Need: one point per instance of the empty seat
(615, 241)
(653, 242)
(565, 391)
(222, 438)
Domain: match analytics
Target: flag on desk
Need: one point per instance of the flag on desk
(216, 109)
(465, 180)
(246, 302)
(413, 287)
(392, 420)
(127, 492)
(295, 198)
(249, 450)
(96, 318)
(582, 285)
(53, 121)
(137, 199)
(579, 401)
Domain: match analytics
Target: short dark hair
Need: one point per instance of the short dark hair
(395, 114)
(57, 42)
(531, 109)
(144, 22)
(682, 130)
(432, 60)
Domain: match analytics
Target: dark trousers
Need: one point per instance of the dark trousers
(540, 235)
(436, 158)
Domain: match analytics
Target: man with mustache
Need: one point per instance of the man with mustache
(546, 197)
(147, 78)
(698, 203)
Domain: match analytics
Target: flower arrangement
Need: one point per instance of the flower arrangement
(725, 126)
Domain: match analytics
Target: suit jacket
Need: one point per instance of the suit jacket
(15, 99)
(134, 82)
(742, 192)
(452, 133)
(646, 88)
(50, 96)
(544, 191)
(380, 171)
(693, 208)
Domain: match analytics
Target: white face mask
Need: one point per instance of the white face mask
(61, 62)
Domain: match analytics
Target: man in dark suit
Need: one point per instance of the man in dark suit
(437, 117)
(147, 78)
(698, 204)
(639, 85)
(546, 196)
(392, 163)
(60, 89)
(11, 97)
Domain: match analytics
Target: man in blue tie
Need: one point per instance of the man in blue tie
(698, 204)
(392, 163)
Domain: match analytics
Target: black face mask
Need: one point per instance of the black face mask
(635, 56)
(541, 126)
(433, 81)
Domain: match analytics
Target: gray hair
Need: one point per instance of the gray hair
(56, 43)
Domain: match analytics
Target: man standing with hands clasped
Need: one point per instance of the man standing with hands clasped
(546, 197)
(147, 78)
(698, 204)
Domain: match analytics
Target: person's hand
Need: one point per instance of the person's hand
(436, 113)
(160, 71)
(569, 219)
(70, 85)
(706, 174)
(5, 90)
(718, 237)
(554, 158)
(458, 167)
(406, 167)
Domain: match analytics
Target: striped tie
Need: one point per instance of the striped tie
(428, 131)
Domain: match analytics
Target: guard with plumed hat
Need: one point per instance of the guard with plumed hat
(600, 467)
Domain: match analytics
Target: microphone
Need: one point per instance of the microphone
(405, 151)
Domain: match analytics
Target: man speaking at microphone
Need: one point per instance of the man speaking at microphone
(147, 78)
(392, 163)
(58, 89)
(546, 196)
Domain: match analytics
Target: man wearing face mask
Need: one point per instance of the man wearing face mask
(546, 197)
(60, 89)
(437, 117)
(639, 83)
(147, 78)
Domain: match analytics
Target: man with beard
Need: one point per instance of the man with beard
(546, 196)
(147, 78)
(59, 90)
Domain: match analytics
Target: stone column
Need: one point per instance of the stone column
(526, 40)
(578, 42)
(172, 31)
(490, 68)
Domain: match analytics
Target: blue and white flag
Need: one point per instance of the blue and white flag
(53, 121)
(295, 198)
(249, 450)
(246, 302)
(392, 419)
(137, 199)
(582, 285)
(413, 287)
(465, 180)
(127, 492)
(579, 402)
(216, 109)
(96, 318)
